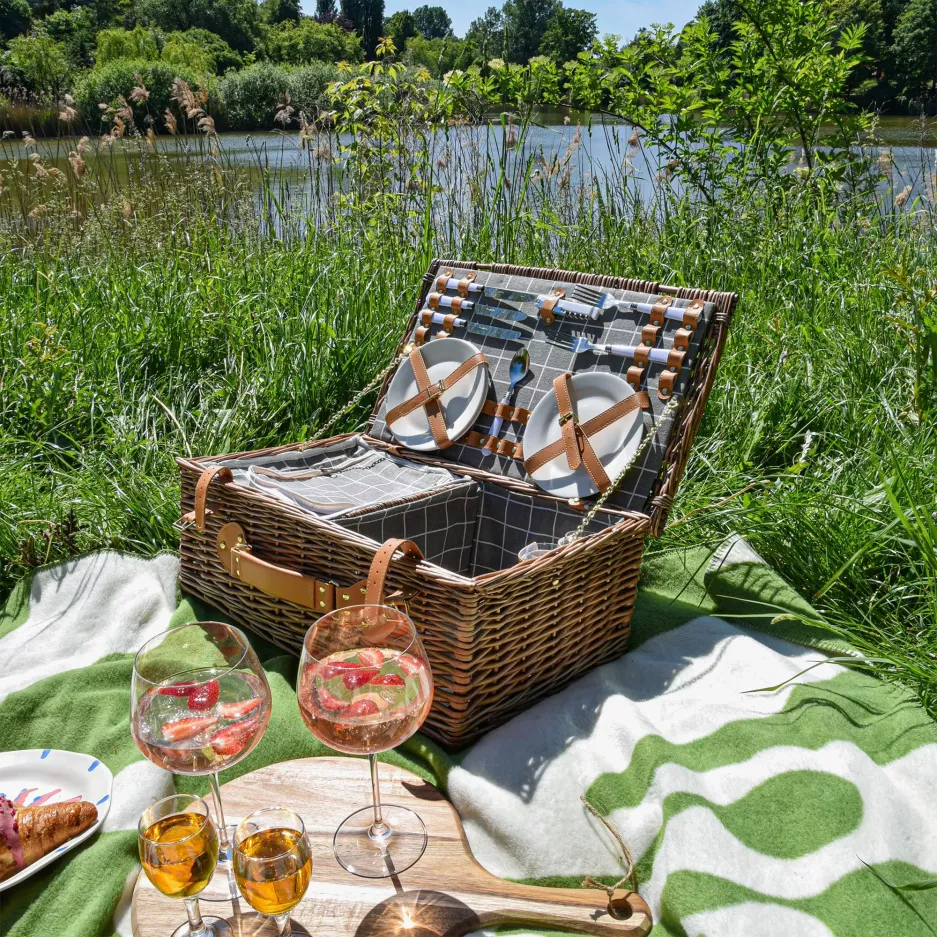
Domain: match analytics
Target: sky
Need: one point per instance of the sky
(622, 17)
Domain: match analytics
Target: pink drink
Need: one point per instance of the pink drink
(198, 723)
(366, 700)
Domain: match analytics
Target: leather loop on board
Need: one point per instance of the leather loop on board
(507, 413)
(201, 492)
(692, 313)
(681, 339)
(237, 557)
(665, 384)
(433, 300)
(675, 360)
(379, 566)
(448, 322)
(649, 334)
(502, 446)
(641, 355)
(419, 336)
(548, 306)
(659, 310)
(463, 286)
(635, 376)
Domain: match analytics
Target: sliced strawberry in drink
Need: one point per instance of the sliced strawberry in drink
(389, 679)
(187, 728)
(371, 656)
(238, 710)
(409, 665)
(329, 701)
(204, 696)
(234, 738)
(185, 688)
(335, 668)
(361, 707)
(355, 678)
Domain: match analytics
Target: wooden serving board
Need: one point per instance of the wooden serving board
(446, 893)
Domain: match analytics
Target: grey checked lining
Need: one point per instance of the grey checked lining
(550, 357)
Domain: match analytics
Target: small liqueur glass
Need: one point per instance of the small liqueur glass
(272, 863)
(365, 686)
(178, 846)
(200, 703)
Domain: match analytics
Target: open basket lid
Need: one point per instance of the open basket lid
(663, 341)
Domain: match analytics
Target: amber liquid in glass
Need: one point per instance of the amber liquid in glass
(179, 853)
(273, 868)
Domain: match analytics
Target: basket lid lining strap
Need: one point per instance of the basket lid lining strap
(429, 394)
(575, 435)
(380, 564)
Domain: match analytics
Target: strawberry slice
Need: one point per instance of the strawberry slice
(185, 688)
(187, 728)
(409, 665)
(234, 738)
(371, 656)
(361, 707)
(335, 668)
(355, 678)
(389, 679)
(329, 701)
(204, 696)
(238, 710)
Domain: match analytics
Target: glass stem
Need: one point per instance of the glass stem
(197, 926)
(219, 814)
(282, 921)
(379, 828)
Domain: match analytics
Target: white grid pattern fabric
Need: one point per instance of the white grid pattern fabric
(550, 356)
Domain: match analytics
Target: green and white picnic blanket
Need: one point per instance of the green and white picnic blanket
(749, 814)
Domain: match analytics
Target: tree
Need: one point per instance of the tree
(326, 11)
(568, 33)
(367, 17)
(137, 43)
(280, 11)
(40, 64)
(14, 18)
(311, 41)
(438, 56)
(525, 22)
(236, 21)
(75, 30)
(201, 52)
(722, 16)
(432, 22)
(915, 52)
(486, 34)
(400, 27)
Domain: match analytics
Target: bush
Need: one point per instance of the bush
(310, 41)
(307, 86)
(200, 51)
(105, 83)
(38, 64)
(249, 97)
(139, 43)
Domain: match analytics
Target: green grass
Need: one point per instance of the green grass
(133, 336)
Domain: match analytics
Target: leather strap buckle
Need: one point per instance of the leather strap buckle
(435, 391)
(566, 417)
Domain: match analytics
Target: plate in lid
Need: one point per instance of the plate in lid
(461, 403)
(592, 392)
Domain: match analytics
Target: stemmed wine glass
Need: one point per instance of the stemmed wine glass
(178, 847)
(365, 686)
(200, 703)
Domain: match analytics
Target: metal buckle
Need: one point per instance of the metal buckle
(434, 393)
(566, 417)
(183, 524)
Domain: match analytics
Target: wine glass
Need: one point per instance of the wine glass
(272, 863)
(200, 703)
(365, 686)
(178, 847)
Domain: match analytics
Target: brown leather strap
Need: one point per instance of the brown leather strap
(429, 394)
(681, 339)
(421, 334)
(463, 286)
(237, 557)
(583, 432)
(660, 307)
(649, 334)
(201, 492)
(692, 313)
(426, 317)
(665, 384)
(502, 446)
(433, 300)
(635, 376)
(448, 322)
(568, 422)
(379, 566)
(442, 281)
(548, 306)
(507, 413)
(675, 359)
(641, 355)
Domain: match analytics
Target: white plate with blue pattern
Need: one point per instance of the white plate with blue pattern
(48, 776)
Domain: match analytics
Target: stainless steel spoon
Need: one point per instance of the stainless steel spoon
(520, 365)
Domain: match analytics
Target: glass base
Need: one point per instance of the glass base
(222, 886)
(362, 853)
(215, 927)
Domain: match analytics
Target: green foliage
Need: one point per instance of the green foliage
(138, 43)
(367, 17)
(486, 33)
(432, 22)
(399, 28)
(915, 52)
(237, 22)
(75, 30)
(525, 23)
(438, 56)
(280, 11)
(200, 52)
(40, 65)
(326, 11)
(568, 33)
(14, 18)
(310, 41)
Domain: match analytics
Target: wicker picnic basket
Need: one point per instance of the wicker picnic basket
(500, 633)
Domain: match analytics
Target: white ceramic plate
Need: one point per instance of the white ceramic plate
(461, 403)
(593, 392)
(48, 776)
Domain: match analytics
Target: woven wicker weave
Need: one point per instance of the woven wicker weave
(497, 642)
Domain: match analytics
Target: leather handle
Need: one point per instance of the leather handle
(381, 563)
(201, 491)
(237, 557)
